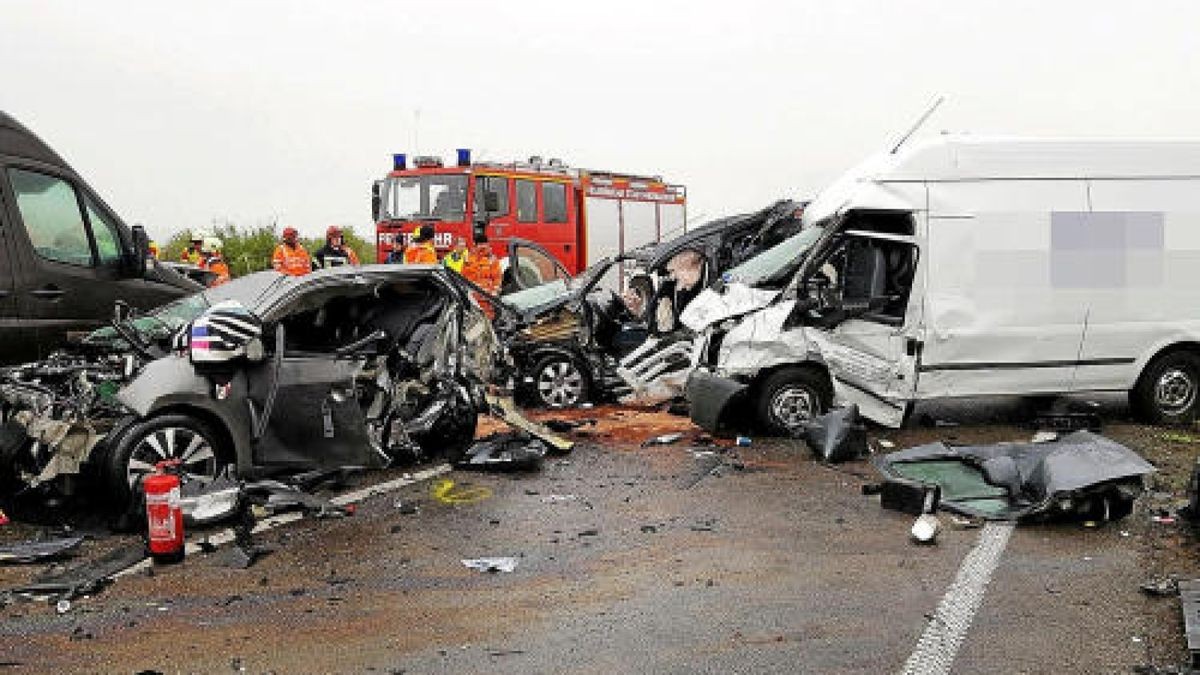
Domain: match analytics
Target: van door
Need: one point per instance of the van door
(16, 343)
(68, 289)
(866, 333)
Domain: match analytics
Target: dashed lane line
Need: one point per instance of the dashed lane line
(939, 644)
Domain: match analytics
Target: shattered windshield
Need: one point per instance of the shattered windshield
(548, 292)
(775, 262)
(165, 321)
(440, 197)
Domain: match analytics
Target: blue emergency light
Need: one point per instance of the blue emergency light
(464, 157)
(399, 161)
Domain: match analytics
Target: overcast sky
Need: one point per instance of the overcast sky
(178, 113)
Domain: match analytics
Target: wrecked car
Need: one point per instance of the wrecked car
(578, 339)
(346, 367)
(965, 267)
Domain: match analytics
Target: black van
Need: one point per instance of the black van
(65, 257)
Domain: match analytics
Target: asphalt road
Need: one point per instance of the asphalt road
(629, 559)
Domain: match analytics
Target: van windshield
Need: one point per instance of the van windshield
(776, 264)
(430, 197)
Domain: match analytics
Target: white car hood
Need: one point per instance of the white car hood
(711, 307)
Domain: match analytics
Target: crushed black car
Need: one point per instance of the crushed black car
(578, 339)
(348, 367)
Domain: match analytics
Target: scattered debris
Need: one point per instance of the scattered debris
(743, 441)
(665, 439)
(906, 496)
(557, 499)
(566, 426)
(408, 508)
(38, 551)
(1044, 437)
(589, 533)
(492, 565)
(276, 497)
(205, 503)
(837, 436)
(1163, 519)
(1080, 475)
(84, 579)
(1067, 422)
(1161, 588)
(514, 451)
(1189, 600)
(964, 523)
(885, 443)
(926, 528)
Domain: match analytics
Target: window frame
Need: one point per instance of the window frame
(536, 196)
(566, 211)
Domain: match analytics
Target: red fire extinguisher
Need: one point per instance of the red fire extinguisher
(164, 516)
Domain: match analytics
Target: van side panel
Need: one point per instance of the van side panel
(995, 321)
(1143, 240)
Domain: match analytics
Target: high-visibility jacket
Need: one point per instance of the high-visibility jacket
(291, 260)
(192, 256)
(421, 254)
(455, 260)
(216, 264)
(483, 269)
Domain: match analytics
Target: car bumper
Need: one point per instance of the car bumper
(710, 397)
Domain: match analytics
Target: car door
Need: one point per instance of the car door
(67, 289)
(16, 341)
(530, 265)
(869, 339)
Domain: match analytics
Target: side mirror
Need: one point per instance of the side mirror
(376, 199)
(141, 251)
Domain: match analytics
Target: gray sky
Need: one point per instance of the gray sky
(181, 112)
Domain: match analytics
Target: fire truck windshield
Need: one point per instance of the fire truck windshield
(440, 197)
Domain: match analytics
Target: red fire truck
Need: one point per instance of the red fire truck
(578, 215)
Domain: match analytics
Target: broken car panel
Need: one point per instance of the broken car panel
(352, 367)
(972, 267)
(580, 339)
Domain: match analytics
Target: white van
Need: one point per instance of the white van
(966, 266)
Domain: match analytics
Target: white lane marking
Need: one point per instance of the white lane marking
(227, 535)
(938, 646)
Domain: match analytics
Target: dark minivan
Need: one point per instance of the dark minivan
(65, 257)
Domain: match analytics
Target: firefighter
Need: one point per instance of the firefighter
(481, 267)
(396, 255)
(290, 256)
(334, 253)
(213, 261)
(192, 255)
(152, 247)
(422, 252)
(457, 257)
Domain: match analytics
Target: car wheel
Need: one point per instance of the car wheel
(175, 436)
(790, 398)
(559, 382)
(1168, 392)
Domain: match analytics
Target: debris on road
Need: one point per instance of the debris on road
(83, 579)
(1081, 475)
(1067, 422)
(205, 503)
(1189, 600)
(837, 436)
(557, 499)
(516, 451)
(1161, 588)
(492, 565)
(38, 551)
(926, 528)
(563, 426)
(665, 439)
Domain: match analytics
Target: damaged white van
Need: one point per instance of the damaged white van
(965, 266)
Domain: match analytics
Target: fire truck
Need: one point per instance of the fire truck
(579, 216)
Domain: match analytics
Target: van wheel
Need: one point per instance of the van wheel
(559, 382)
(1168, 390)
(175, 436)
(791, 397)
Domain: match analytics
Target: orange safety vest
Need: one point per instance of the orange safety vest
(421, 254)
(291, 260)
(216, 264)
(482, 269)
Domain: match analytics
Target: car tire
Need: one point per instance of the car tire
(1168, 392)
(789, 397)
(171, 436)
(559, 382)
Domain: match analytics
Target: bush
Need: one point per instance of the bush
(249, 249)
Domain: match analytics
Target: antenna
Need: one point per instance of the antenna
(920, 121)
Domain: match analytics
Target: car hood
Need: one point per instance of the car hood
(734, 300)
